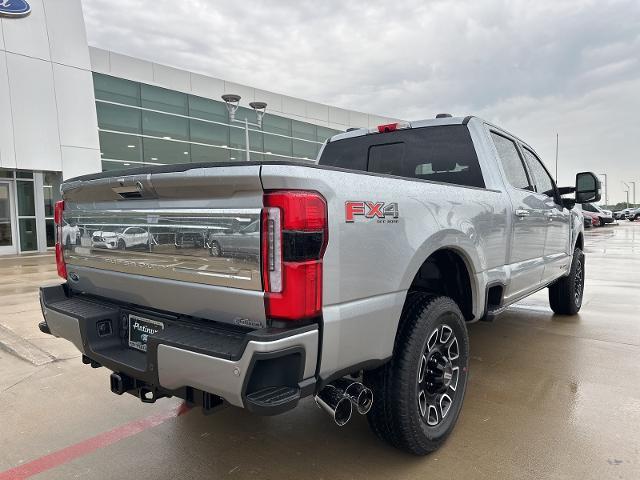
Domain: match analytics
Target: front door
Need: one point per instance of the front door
(558, 218)
(7, 220)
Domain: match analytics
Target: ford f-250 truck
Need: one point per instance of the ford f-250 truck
(357, 290)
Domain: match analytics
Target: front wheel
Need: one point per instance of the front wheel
(600, 222)
(565, 295)
(419, 393)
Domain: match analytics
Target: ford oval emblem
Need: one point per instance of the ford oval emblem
(14, 8)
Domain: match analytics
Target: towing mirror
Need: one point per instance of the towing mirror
(587, 187)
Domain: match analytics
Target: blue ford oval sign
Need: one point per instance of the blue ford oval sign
(14, 8)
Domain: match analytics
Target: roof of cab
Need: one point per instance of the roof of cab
(431, 122)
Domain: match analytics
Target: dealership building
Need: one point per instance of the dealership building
(68, 109)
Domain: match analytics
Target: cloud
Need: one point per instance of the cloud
(536, 68)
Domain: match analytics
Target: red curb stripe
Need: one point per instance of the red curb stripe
(89, 445)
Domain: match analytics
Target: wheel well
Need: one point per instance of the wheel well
(446, 273)
(580, 242)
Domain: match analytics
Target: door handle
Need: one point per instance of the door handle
(521, 212)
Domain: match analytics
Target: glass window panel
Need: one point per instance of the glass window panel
(275, 124)
(28, 236)
(279, 145)
(511, 162)
(51, 233)
(6, 173)
(305, 150)
(117, 146)
(202, 153)
(117, 90)
(165, 151)
(24, 174)
(26, 205)
(121, 119)
(210, 133)
(304, 130)
(165, 100)
(161, 125)
(208, 109)
(543, 181)
(237, 139)
(268, 157)
(5, 215)
(51, 190)
(255, 157)
(324, 133)
(108, 166)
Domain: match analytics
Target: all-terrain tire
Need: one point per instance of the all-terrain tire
(397, 415)
(565, 295)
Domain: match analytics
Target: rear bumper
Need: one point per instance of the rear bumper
(232, 363)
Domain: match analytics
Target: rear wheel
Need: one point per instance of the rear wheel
(121, 244)
(565, 295)
(419, 393)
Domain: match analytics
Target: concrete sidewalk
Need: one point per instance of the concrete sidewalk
(20, 279)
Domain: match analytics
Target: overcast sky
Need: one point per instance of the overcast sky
(533, 67)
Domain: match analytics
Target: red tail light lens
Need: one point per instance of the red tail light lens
(57, 219)
(293, 243)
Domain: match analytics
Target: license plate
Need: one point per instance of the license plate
(139, 330)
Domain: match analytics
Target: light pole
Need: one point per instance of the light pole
(232, 102)
(606, 189)
(634, 193)
(627, 190)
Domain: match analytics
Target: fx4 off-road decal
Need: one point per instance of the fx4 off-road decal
(381, 211)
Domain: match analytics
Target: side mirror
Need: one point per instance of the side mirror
(587, 187)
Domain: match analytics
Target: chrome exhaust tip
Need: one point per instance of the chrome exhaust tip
(361, 396)
(333, 401)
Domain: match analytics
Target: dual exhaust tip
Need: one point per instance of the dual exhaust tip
(339, 398)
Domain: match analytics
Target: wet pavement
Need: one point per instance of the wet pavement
(548, 397)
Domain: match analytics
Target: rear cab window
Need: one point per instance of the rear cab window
(440, 153)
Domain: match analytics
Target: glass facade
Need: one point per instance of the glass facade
(146, 125)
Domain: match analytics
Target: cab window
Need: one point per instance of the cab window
(542, 179)
(511, 162)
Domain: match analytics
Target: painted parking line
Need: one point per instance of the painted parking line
(89, 445)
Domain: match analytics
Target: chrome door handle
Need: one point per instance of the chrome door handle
(521, 212)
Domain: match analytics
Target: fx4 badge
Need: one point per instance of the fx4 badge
(381, 211)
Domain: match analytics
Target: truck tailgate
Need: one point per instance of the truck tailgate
(187, 242)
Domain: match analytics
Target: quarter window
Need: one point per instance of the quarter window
(511, 162)
(543, 181)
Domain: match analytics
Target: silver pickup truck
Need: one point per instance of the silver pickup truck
(351, 280)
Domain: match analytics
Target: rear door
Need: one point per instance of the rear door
(558, 218)
(528, 235)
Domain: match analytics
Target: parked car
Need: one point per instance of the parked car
(593, 218)
(370, 265)
(241, 242)
(603, 216)
(621, 214)
(120, 238)
(633, 214)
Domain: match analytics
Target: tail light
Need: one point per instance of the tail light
(294, 238)
(57, 219)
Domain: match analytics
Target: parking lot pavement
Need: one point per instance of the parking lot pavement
(548, 397)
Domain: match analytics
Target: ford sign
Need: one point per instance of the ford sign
(14, 8)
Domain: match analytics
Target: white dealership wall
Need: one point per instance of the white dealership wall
(47, 107)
